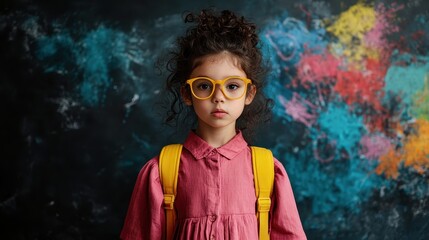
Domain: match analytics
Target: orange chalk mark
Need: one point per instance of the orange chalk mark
(417, 148)
(415, 153)
(389, 164)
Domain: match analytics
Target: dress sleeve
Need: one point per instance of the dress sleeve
(284, 217)
(145, 217)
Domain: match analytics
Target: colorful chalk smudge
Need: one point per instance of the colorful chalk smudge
(361, 98)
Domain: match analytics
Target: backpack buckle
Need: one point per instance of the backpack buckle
(168, 201)
(264, 204)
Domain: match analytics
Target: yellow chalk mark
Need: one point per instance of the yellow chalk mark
(350, 29)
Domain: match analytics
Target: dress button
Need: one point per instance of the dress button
(212, 218)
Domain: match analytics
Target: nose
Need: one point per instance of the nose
(218, 95)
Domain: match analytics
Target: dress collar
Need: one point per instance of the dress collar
(201, 149)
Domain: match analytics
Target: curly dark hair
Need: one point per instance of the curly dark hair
(213, 33)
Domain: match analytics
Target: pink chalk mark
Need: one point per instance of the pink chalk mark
(383, 26)
(307, 13)
(299, 109)
(374, 146)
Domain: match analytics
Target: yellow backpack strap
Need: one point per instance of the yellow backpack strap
(169, 160)
(263, 172)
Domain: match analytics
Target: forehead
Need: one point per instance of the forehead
(224, 56)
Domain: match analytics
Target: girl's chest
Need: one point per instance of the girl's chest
(215, 185)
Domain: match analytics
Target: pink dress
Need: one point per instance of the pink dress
(215, 197)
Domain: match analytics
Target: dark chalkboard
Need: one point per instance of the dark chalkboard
(82, 101)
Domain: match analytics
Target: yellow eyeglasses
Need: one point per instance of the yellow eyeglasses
(232, 87)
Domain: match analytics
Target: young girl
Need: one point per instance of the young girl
(217, 74)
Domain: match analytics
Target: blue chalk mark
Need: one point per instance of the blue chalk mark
(282, 43)
(290, 38)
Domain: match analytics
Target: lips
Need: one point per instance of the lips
(218, 113)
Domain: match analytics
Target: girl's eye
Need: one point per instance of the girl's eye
(204, 86)
(232, 86)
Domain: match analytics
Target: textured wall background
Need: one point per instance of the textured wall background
(80, 92)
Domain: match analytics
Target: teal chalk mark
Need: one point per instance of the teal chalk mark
(342, 126)
(58, 53)
(53, 45)
(406, 76)
(275, 89)
(47, 48)
(91, 59)
(98, 52)
(333, 192)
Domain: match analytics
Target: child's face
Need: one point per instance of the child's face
(218, 111)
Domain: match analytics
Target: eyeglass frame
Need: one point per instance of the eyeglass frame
(247, 81)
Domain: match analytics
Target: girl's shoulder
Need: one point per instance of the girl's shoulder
(150, 170)
(152, 163)
(278, 167)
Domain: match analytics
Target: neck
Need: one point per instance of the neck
(216, 137)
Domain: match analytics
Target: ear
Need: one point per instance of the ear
(186, 96)
(250, 94)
